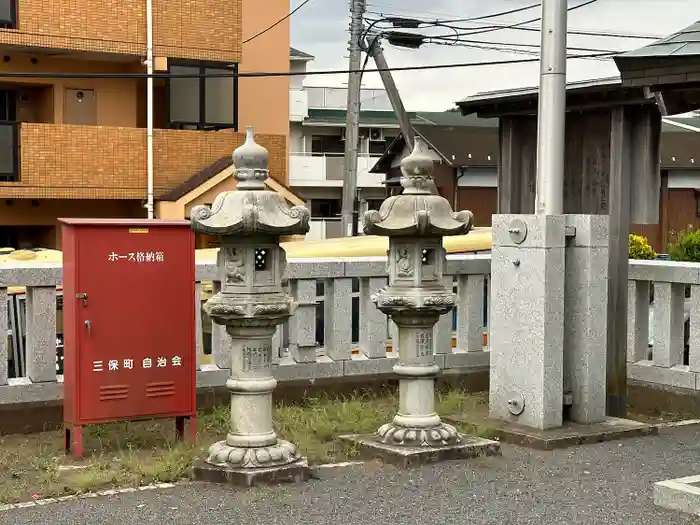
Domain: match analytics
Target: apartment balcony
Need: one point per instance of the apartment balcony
(309, 170)
(298, 105)
(61, 161)
(337, 98)
(205, 29)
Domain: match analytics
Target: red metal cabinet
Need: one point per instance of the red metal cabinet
(129, 331)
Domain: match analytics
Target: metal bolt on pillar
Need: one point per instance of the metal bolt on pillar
(252, 302)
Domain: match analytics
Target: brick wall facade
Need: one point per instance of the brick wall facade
(194, 29)
(100, 162)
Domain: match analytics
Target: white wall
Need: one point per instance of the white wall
(684, 179)
(479, 178)
(297, 81)
(296, 142)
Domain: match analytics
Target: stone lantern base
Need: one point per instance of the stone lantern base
(468, 447)
(248, 477)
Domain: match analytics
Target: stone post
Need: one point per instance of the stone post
(416, 297)
(251, 303)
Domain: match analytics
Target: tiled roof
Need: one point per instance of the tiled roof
(300, 55)
(684, 43)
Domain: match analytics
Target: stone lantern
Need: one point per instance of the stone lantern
(252, 302)
(415, 222)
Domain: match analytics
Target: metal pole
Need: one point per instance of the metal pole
(549, 199)
(357, 9)
(377, 53)
(149, 107)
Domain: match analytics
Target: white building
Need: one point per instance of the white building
(317, 146)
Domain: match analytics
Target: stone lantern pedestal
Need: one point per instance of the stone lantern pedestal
(249, 222)
(415, 222)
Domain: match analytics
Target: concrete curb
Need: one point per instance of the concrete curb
(155, 486)
(87, 495)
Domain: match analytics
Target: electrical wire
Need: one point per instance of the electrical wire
(277, 23)
(529, 52)
(478, 44)
(425, 67)
(525, 22)
(435, 40)
(469, 19)
(496, 26)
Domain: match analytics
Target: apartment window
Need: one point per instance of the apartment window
(205, 103)
(9, 136)
(325, 208)
(374, 204)
(8, 14)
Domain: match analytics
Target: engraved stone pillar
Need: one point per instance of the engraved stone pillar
(416, 297)
(251, 303)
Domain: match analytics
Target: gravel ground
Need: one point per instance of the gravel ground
(602, 484)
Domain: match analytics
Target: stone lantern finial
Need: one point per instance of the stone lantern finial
(417, 171)
(251, 163)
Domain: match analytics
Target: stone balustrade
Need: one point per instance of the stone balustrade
(317, 342)
(337, 332)
(663, 326)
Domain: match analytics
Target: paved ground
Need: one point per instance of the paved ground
(601, 484)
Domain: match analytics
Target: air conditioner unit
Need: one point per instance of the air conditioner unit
(376, 135)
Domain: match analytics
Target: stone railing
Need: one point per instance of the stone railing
(337, 332)
(663, 330)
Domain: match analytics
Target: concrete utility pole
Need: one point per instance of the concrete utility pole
(357, 10)
(377, 53)
(549, 196)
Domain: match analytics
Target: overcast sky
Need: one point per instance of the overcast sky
(321, 29)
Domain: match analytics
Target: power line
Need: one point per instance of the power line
(426, 67)
(277, 23)
(496, 15)
(529, 52)
(525, 22)
(582, 32)
(496, 25)
(478, 43)
(469, 19)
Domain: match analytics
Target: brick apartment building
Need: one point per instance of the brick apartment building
(78, 146)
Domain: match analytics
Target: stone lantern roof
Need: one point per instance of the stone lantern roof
(250, 209)
(418, 210)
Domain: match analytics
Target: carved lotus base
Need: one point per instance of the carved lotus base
(282, 453)
(438, 436)
(428, 302)
(232, 311)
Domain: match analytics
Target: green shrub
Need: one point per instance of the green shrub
(639, 248)
(685, 245)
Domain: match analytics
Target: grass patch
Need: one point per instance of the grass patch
(138, 453)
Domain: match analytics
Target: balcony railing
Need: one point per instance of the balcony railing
(310, 169)
(9, 151)
(337, 98)
(337, 333)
